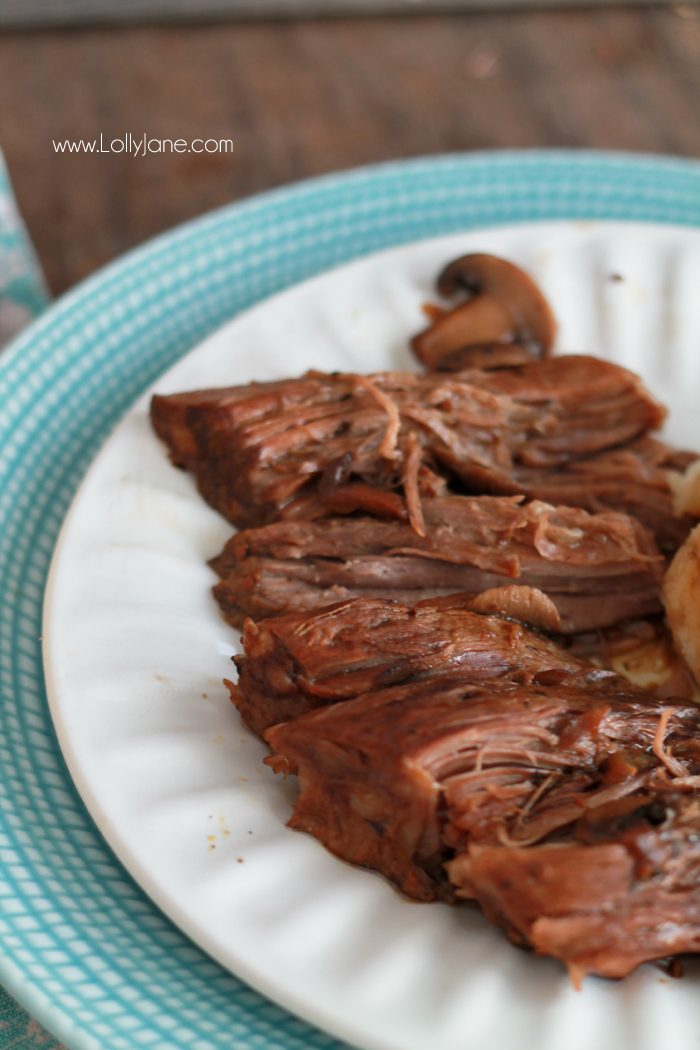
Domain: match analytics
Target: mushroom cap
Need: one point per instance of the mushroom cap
(519, 602)
(516, 292)
(501, 320)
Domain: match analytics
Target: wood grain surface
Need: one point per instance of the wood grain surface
(303, 98)
(91, 12)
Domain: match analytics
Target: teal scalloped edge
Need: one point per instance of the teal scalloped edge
(85, 951)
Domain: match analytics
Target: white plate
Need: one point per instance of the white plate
(135, 651)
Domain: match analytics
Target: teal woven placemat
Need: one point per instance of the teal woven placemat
(22, 290)
(84, 949)
(22, 297)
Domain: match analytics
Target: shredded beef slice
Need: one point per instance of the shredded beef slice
(633, 479)
(596, 569)
(582, 393)
(408, 779)
(298, 661)
(623, 889)
(265, 450)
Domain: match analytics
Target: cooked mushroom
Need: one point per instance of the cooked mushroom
(527, 604)
(505, 319)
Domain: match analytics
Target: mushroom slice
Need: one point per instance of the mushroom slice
(527, 604)
(504, 320)
(681, 597)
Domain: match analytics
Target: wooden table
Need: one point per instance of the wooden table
(299, 99)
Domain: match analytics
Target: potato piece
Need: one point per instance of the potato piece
(681, 597)
(686, 490)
